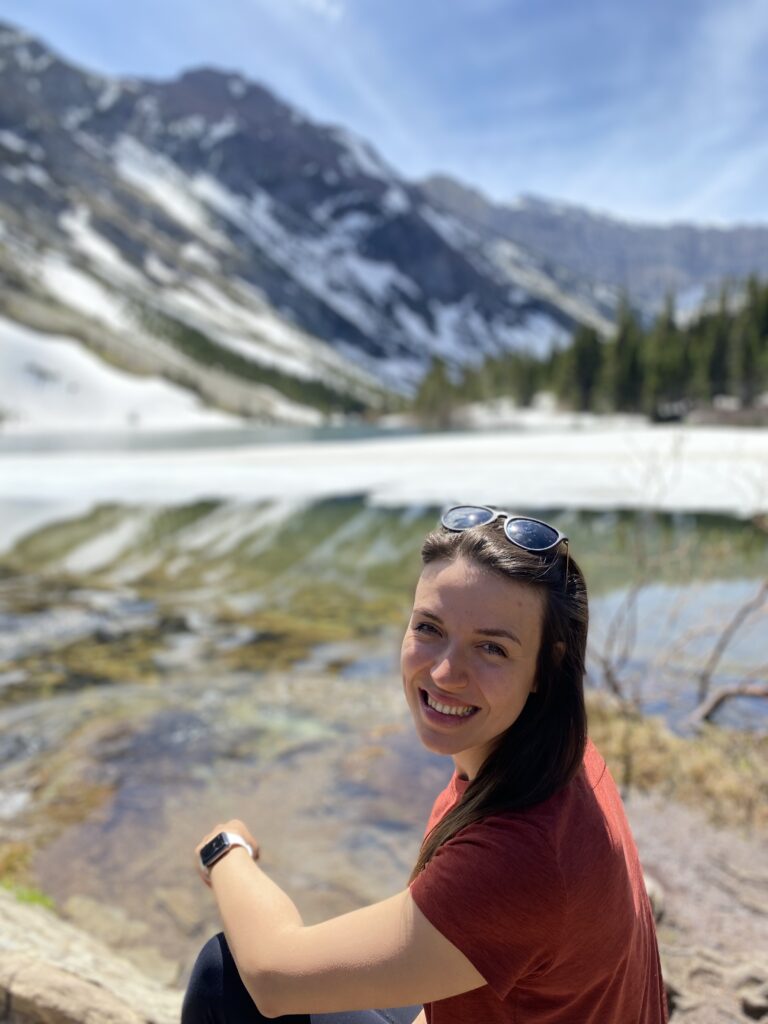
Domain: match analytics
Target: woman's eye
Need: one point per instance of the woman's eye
(495, 649)
(425, 627)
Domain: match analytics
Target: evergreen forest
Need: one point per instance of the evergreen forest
(662, 369)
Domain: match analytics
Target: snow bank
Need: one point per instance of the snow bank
(664, 468)
(54, 383)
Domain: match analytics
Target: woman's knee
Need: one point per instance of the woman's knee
(216, 994)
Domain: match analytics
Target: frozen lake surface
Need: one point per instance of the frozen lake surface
(598, 468)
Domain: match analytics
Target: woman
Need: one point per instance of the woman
(527, 902)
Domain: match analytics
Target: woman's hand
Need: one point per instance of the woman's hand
(234, 825)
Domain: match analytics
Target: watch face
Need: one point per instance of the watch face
(212, 850)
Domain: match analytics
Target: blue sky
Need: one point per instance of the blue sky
(654, 111)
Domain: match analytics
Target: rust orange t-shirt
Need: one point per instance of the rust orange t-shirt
(550, 906)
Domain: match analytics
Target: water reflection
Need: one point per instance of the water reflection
(185, 440)
(167, 667)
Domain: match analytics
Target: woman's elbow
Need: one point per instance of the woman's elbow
(270, 993)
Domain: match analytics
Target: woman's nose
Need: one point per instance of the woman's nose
(448, 670)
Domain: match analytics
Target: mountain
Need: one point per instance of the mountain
(647, 261)
(202, 230)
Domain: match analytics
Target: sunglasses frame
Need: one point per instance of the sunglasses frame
(496, 513)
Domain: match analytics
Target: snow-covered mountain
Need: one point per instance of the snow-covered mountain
(648, 261)
(203, 231)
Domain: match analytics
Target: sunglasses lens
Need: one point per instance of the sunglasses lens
(464, 517)
(529, 534)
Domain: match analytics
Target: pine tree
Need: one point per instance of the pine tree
(663, 361)
(435, 401)
(577, 370)
(621, 382)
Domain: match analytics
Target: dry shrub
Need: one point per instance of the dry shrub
(721, 771)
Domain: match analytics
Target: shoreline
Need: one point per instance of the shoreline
(667, 469)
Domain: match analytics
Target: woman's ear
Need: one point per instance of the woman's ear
(558, 652)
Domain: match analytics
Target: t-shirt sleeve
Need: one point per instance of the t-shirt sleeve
(495, 891)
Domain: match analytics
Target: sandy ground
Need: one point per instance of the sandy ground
(714, 928)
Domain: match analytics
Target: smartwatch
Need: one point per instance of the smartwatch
(221, 844)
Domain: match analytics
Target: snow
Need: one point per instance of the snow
(166, 185)
(326, 209)
(237, 87)
(364, 157)
(249, 326)
(161, 272)
(77, 224)
(193, 252)
(191, 127)
(109, 96)
(31, 63)
(105, 548)
(522, 273)
(228, 526)
(10, 140)
(54, 383)
(78, 290)
(12, 37)
(220, 131)
(323, 264)
(451, 230)
(149, 109)
(26, 172)
(454, 329)
(75, 116)
(621, 467)
(539, 334)
(689, 303)
(395, 201)
(37, 176)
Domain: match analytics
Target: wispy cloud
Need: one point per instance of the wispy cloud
(331, 9)
(650, 111)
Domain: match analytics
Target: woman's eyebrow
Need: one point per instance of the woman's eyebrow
(423, 613)
(427, 615)
(500, 632)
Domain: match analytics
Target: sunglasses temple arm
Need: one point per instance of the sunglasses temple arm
(567, 563)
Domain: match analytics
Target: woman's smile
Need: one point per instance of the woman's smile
(438, 708)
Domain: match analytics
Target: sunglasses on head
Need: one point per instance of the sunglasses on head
(522, 531)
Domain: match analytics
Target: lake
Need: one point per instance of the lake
(192, 631)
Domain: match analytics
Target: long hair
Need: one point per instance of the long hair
(543, 749)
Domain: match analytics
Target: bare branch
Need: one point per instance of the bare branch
(740, 616)
(704, 711)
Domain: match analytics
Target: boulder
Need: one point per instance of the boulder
(52, 973)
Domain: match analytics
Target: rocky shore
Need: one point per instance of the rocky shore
(53, 973)
(709, 892)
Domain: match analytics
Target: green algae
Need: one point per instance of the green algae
(50, 545)
(329, 572)
(30, 894)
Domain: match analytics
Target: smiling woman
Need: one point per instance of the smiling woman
(527, 900)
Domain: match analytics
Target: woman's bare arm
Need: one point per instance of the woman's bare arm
(386, 954)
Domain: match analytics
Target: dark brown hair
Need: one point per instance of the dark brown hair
(543, 749)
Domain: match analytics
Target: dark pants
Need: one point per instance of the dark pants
(216, 995)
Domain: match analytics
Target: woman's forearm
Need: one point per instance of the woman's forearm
(257, 917)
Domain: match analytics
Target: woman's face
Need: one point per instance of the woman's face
(469, 658)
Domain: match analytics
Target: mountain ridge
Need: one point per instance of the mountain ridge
(204, 230)
(647, 260)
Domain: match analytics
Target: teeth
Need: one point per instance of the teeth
(445, 709)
